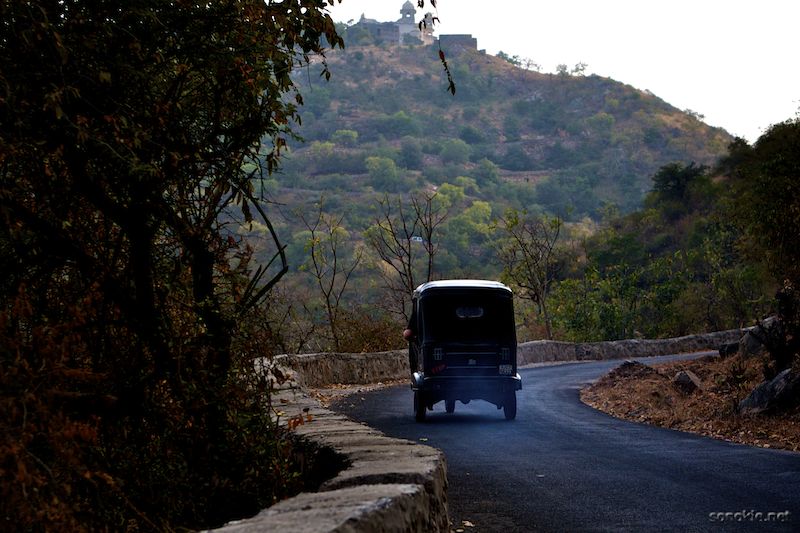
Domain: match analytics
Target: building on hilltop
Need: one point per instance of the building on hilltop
(407, 25)
(381, 32)
(406, 30)
(463, 41)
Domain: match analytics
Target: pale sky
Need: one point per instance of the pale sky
(734, 61)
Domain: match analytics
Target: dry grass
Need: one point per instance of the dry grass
(641, 393)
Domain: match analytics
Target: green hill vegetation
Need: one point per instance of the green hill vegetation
(510, 141)
(568, 143)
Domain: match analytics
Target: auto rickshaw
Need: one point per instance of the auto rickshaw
(463, 346)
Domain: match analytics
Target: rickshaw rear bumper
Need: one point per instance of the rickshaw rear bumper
(465, 387)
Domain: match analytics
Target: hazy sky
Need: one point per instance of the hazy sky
(734, 61)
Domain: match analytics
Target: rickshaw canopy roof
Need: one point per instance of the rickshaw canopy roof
(456, 284)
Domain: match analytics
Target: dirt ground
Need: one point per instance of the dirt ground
(642, 393)
(328, 394)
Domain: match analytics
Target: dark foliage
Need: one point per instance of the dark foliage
(765, 179)
(781, 338)
(130, 136)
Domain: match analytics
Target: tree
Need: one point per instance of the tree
(733, 288)
(579, 69)
(410, 155)
(467, 238)
(132, 136)
(673, 182)
(326, 262)
(347, 138)
(320, 155)
(622, 302)
(398, 125)
(431, 214)
(471, 135)
(486, 172)
(455, 151)
(394, 237)
(529, 64)
(766, 206)
(766, 200)
(527, 255)
(516, 158)
(383, 173)
(515, 60)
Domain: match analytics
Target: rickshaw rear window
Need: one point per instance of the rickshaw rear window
(469, 312)
(467, 318)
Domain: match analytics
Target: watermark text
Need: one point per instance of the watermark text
(750, 516)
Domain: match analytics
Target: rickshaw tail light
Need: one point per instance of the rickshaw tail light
(505, 354)
(438, 353)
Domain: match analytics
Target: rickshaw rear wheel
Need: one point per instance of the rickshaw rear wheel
(419, 406)
(450, 406)
(510, 406)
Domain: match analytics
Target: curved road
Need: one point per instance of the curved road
(562, 466)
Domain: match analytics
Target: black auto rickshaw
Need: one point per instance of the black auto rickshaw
(464, 345)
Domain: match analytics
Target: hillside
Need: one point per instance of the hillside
(567, 143)
(577, 146)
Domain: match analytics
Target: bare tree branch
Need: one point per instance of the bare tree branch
(528, 258)
(430, 216)
(332, 277)
(394, 235)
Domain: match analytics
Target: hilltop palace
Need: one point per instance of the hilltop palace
(407, 31)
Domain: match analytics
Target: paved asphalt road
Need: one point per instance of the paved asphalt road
(562, 466)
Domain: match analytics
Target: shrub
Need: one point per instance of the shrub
(455, 151)
(348, 138)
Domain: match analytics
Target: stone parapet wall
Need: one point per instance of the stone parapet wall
(546, 351)
(322, 369)
(388, 484)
